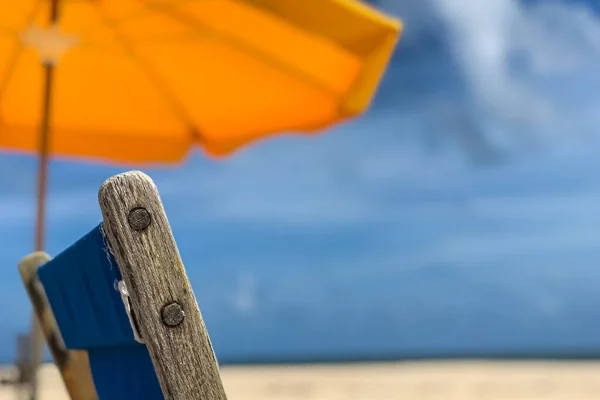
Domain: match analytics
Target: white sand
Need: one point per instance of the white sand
(406, 381)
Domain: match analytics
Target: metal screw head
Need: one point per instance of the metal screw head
(172, 314)
(139, 218)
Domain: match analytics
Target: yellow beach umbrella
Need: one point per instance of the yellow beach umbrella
(143, 81)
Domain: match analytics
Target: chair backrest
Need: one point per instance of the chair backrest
(72, 364)
(121, 294)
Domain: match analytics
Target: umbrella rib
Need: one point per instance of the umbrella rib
(169, 10)
(154, 78)
(136, 14)
(194, 24)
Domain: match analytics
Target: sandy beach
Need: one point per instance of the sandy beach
(413, 381)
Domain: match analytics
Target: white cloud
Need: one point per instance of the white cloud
(481, 36)
(558, 37)
(558, 44)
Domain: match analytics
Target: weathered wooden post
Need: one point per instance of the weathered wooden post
(163, 306)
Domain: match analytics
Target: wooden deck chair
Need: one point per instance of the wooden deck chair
(120, 298)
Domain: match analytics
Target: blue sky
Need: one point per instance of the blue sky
(463, 202)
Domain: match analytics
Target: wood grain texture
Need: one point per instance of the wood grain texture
(154, 274)
(73, 364)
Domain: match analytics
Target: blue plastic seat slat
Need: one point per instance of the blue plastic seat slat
(81, 286)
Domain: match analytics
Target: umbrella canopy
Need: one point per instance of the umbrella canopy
(138, 81)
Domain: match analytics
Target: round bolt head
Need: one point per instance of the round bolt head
(172, 314)
(139, 218)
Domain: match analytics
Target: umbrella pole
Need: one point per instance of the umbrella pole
(44, 155)
(36, 334)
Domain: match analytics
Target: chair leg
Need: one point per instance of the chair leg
(73, 364)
